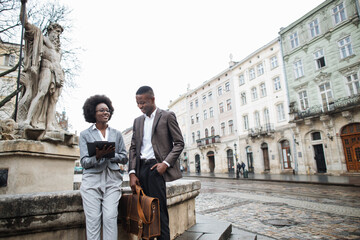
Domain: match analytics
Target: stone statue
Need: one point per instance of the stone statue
(42, 77)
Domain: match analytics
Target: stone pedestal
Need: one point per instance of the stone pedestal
(34, 166)
(59, 215)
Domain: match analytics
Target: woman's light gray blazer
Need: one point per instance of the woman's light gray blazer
(90, 164)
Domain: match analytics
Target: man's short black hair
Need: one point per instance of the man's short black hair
(145, 89)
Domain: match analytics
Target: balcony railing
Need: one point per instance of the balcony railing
(208, 140)
(266, 129)
(253, 132)
(338, 105)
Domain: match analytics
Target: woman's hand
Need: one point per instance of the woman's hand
(105, 150)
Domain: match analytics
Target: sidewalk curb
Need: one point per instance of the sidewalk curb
(277, 180)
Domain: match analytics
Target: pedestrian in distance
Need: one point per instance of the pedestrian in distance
(100, 188)
(242, 166)
(155, 147)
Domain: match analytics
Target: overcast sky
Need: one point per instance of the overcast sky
(165, 44)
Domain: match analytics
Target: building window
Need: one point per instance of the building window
(274, 62)
(196, 103)
(198, 134)
(353, 84)
(243, 98)
(254, 94)
(197, 118)
(241, 79)
(280, 112)
(316, 136)
(220, 90)
(266, 116)
(204, 99)
(211, 110)
(9, 60)
(206, 132)
(222, 128)
(345, 47)
(193, 137)
(303, 99)
(319, 59)
(263, 90)
(260, 69)
(192, 119)
(210, 95)
(231, 126)
(191, 105)
(314, 28)
(227, 86)
(339, 13)
(326, 95)
(246, 122)
(221, 107)
(205, 114)
(294, 40)
(251, 73)
(277, 84)
(212, 131)
(228, 104)
(298, 69)
(257, 119)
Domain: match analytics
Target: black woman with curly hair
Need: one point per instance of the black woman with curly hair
(101, 181)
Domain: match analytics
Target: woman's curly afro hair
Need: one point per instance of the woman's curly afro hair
(90, 107)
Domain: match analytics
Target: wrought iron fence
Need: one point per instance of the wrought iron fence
(208, 140)
(335, 106)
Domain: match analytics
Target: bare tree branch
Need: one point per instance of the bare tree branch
(9, 97)
(9, 71)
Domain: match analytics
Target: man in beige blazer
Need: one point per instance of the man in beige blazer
(155, 147)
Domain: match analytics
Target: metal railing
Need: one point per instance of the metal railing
(208, 140)
(266, 129)
(338, 105)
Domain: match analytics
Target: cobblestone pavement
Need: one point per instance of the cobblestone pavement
(283, 210)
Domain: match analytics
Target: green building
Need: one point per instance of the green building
(321, 60)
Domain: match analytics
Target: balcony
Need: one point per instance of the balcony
(208, 141)
(265, 130)
(253, 132)
(339, 105)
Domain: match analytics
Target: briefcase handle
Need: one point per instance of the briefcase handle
(139, 190)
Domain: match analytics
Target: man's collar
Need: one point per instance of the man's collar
(152, 114)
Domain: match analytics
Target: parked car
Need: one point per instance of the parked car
(78, 170)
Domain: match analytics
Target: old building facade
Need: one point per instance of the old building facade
(265, 137)
(207, 118)
(321, 57)
(240, 115)
(8, 60)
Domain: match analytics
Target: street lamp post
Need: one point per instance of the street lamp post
(236, 159)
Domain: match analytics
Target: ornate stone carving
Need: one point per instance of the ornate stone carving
(8, 129)
(322, 77)
(42, 77)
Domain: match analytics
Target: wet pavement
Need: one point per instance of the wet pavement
(282, 209)
(345, 180)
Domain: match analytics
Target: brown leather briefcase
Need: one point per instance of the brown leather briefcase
(140, 214)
